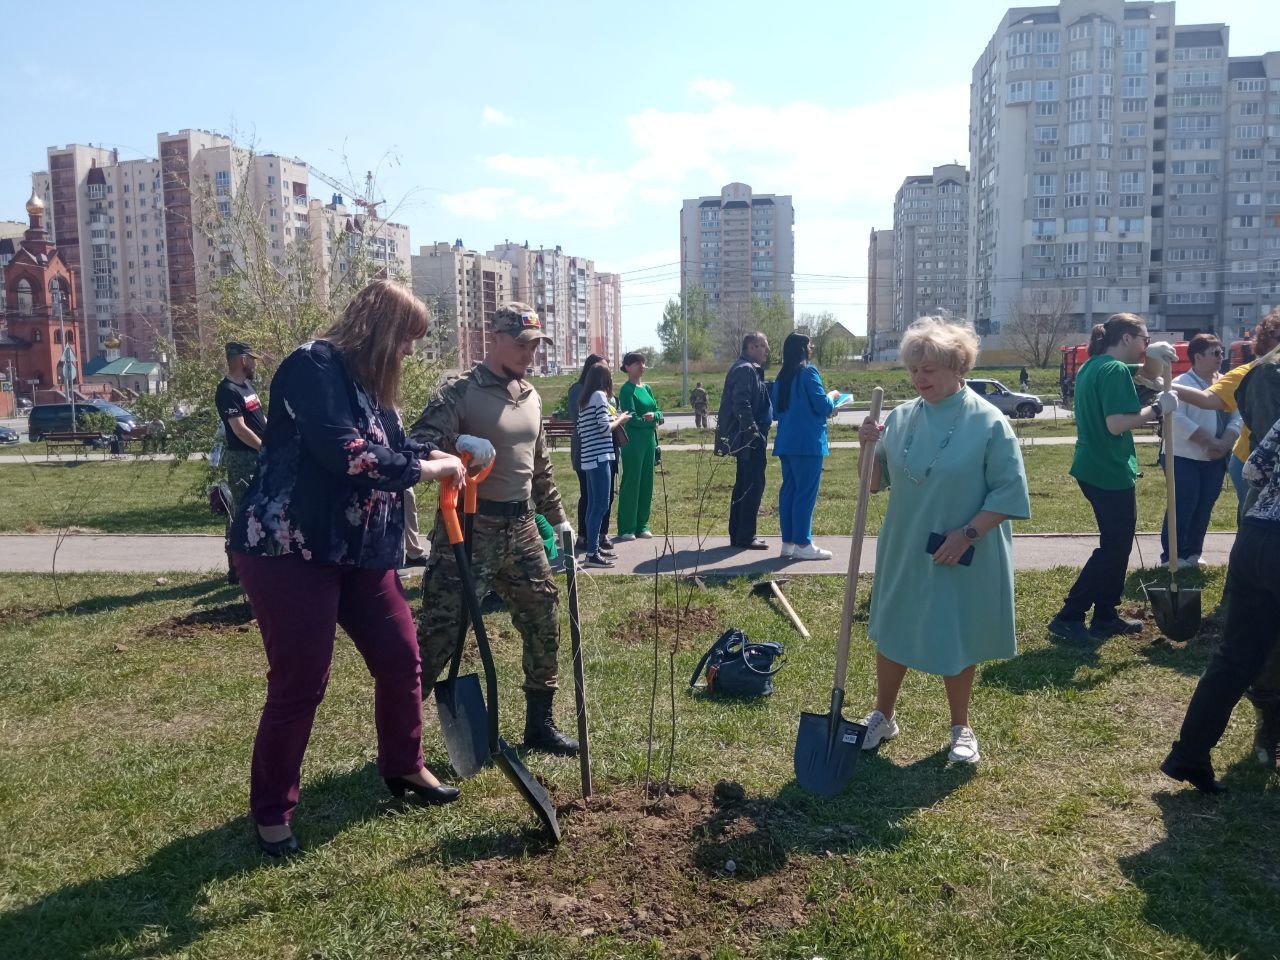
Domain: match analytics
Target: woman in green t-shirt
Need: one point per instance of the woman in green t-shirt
(635, 493)
(1106, 468)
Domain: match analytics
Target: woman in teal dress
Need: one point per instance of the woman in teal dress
(953, 467)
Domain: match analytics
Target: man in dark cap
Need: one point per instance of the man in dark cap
(245, 421)
(494, 414)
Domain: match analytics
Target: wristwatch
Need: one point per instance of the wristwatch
(971, 533)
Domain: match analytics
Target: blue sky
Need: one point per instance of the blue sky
(558, 122)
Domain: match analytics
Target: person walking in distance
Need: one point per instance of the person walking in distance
(698, 397)
(742, 432)
(1106, 468)
(244, 421)
(494, 415)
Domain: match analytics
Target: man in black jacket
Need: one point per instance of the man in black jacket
(742, 431)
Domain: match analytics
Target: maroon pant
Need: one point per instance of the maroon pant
(298, 606)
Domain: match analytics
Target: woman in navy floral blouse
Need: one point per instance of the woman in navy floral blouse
(317, 541)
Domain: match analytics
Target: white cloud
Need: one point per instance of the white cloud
(493, 117)
(485, 203)
(711, 89)
(842, 166)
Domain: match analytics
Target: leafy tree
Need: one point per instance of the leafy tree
(672, 327)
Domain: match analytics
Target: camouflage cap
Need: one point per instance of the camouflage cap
(519, 321)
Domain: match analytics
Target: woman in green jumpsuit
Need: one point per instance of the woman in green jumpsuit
(636, 491)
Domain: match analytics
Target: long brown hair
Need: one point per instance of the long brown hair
(598, 377)
(372, 330)
(1107, 335)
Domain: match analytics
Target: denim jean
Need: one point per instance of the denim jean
(1235, 470)
(582, 500)
(1199, 483)
(1101, 582)
(599, 487)
(1249, 636)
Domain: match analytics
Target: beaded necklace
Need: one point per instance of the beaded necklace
(911, 436)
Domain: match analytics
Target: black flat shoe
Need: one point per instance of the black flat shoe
(1114, 627)
(1201, 778)
(277, 848)
(432, 796)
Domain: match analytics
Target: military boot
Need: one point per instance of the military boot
(540, 731)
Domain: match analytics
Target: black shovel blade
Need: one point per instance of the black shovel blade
(533, 792)
(464, 722)
(1176, 611)
(827, 750)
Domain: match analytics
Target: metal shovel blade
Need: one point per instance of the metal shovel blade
(464, 723)
(535, 795)
(827, 750)
(1176, 611)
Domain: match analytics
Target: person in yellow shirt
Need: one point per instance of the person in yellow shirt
(1222, 396)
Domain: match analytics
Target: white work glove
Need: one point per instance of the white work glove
(1166, 403)
(1163, 351)
(481, 450)
(561, 528)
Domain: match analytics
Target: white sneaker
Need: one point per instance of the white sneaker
(624, 538)
(645, 534)
(879, 728)
(1192, 561)
(788, 549)
(810, 551)
(964, 746)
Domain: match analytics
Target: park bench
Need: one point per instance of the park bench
(73, 440)
(556, 430)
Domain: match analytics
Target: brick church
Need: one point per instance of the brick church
(40, 320)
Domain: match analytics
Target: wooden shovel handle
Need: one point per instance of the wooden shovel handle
(786, 607)
(1170, 488)
(865, 453)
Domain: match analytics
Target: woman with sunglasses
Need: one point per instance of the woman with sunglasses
(1203, 440)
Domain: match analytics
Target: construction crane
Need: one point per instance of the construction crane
(370, 206)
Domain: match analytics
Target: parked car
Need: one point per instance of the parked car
(1008, 402)
(24, 405)
(8, 435)
(56, 418)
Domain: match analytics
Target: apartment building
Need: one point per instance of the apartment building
(463, 289)
(737, 246)
(880, 326)
(1122, 162)
(930, 254)
(605, 333)
(336, 235)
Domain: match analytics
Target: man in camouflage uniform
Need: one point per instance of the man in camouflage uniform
(492, 411)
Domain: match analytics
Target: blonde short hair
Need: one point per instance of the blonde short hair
(941, 341)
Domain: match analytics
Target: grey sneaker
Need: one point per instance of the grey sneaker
(879, 728)
(964, 745)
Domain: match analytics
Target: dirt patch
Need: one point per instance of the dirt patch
(638, 628)
(697, 867)
(227, 618)
(20, 613)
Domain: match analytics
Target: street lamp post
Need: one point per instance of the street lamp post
(684, 335)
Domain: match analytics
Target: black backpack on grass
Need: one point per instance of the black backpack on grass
(736, 667)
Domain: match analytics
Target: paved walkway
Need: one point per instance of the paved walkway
(563, 448)
(28, 553)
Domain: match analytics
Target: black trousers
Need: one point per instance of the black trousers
(1101, 582)
(582, 498)
(748, 491)
(1250, 635)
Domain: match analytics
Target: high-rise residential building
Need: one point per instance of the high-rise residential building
(561, 288)
(1251, 214)
(880, 327)
(139, 235)
(930, 255)
(1121, 162)
(1068, 126)
(738, 246)
(606, 317)
(463, 289)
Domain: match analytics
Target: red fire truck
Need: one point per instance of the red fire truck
(1073, 359)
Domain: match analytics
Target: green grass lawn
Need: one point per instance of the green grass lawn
(128, 718)
(133, 496)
